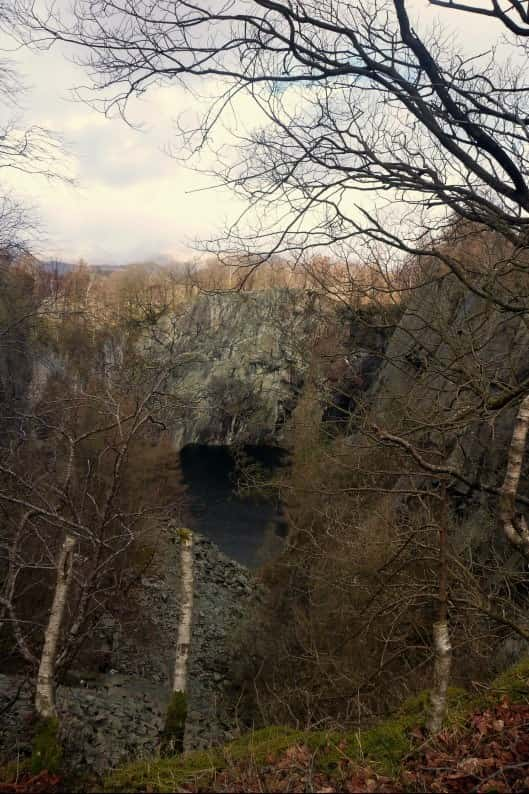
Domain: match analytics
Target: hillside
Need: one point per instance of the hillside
(483, 748)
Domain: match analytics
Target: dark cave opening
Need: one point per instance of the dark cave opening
(249, 529)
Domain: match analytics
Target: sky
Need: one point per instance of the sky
(131, 201)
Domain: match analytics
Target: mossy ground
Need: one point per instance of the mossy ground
(513, 683)
(47, 755)
(12, 771)
(384, 747)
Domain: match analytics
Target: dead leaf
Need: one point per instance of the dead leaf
(498, 725)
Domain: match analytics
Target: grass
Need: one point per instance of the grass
(383, 747)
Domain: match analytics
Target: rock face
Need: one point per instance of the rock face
(452, 353)
(240, 361)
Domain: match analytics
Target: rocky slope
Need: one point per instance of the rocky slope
(117, 716)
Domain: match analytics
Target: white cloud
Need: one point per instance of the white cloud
(132, 200)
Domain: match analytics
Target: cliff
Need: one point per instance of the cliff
(240, 360)
(449, 381)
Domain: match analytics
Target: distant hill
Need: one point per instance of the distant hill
(61, 267)
(106, 270)
(56, 266)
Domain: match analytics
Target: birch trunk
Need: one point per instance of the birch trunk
(45, 694)
(441, 634)
(175, 721)
(443, 663)
(186, 612)
(515, 527)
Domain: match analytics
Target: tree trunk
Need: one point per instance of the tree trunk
(186, 613)
(441, 636)
(443, 662)
(45, 695)
(515, 526)
(173, 735)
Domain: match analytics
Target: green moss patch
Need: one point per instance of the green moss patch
(260, 744)
(175, 723)
(13, 770)
(165, 774)
(513, 683)
(382, 748)
(47, 747)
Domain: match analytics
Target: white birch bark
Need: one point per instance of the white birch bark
(45, 694)
(186, 612)
(515, 527)
(443, 661)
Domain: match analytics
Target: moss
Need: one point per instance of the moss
(514, 683)
(262, 743)
(47, 748)
(330, 749)
(171, 773)
(415, 710)
(13, 770)
(175, 723)
(165, 774)
(384, 746)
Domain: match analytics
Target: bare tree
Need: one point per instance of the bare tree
(184, 626)
(72, 513)
(386, 108)
(514, 15)
(177, 710)
(45, 690)
(514, 523)
(441, 635)
(380, 141)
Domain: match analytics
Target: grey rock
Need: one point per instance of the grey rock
(242, 358)
(121, 717)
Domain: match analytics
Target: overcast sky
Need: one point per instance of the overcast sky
(131, 201)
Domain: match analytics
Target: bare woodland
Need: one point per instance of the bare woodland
(399, 163)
